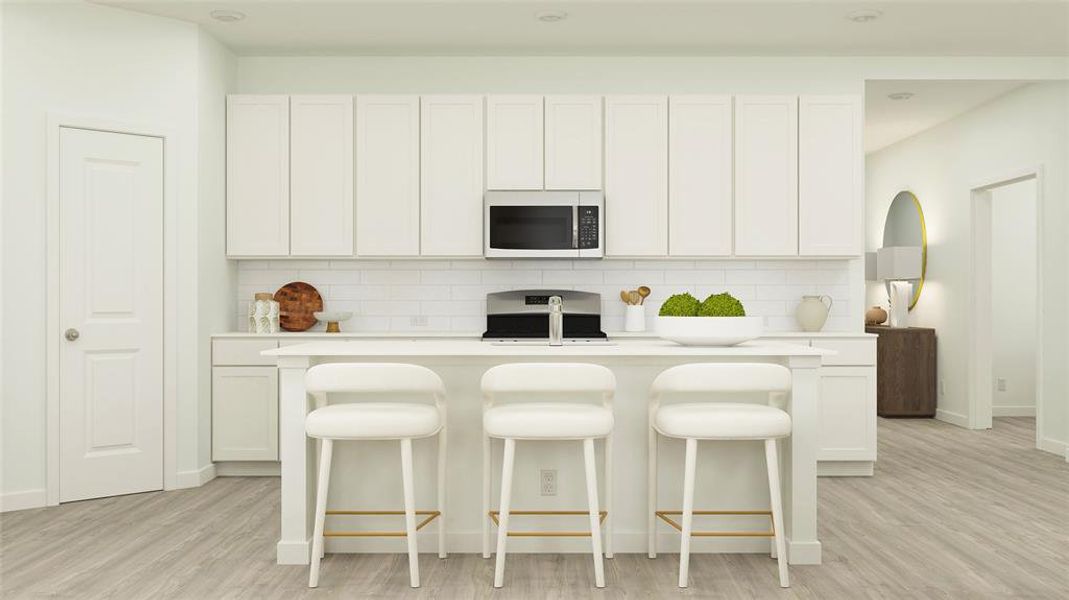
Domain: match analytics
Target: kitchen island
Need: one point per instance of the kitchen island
(731, 474)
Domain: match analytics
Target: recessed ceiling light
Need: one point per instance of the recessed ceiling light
(227, 16)
(865, 15)
(552, 16)
(900, 95)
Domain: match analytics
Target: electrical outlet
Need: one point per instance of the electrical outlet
(1000, 383)
(942, 387)
(548, 479)
(418, 321)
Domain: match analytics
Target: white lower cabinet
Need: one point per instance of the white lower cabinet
(244, 413)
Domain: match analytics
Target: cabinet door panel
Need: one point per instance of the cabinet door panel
(514, 138)
(387, 175)
(636, 175)
(766, 175)
(321, 175)
(573, 142)
(830, 194)
(244, 413)
(257, 176)
(451, 176)
(699, 175)
(847, 416)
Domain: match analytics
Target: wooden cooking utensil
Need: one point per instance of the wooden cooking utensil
(625, 296)
(636, 298)
(644, 292)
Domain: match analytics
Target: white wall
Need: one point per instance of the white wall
(1024, 129)
(90, 61)
(1013, 297)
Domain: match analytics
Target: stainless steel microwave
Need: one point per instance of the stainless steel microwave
(552, 224)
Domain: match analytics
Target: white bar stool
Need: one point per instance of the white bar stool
(718, 421)
(365, 421)
(548, 421)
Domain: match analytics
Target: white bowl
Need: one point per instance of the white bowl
(710, 331)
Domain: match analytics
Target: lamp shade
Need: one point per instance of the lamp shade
(896, 263)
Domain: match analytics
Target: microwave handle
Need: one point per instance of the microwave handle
(575, 226)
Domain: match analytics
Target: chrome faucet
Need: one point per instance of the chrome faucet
(556, 321)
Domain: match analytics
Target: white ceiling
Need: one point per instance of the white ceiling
(614, 27)
(888, 121)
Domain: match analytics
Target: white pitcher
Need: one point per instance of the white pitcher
(812, 312)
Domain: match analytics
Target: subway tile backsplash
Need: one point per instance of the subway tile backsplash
(450, 295)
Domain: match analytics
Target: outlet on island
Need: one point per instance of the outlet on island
(548, 478)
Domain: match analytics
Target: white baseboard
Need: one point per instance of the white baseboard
(197, 478)
(1054, 447)
(1013, 411)
(248, 469)
(23, 500)
(845, 468)
(952, 417)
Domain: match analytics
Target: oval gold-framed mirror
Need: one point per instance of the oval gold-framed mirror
(905, 226)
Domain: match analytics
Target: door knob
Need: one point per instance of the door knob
(71, 334)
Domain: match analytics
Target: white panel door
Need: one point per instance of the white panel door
(573, 142)
(387, 175)
(244, 413)
(636, 175)
(699, 175)
(847, 416)
(257, 176)
(830, 188)
(766, 175)
(111, 314)
(451, 176)
(514, 142)
(321, 175)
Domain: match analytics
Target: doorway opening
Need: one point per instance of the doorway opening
(1005, 365)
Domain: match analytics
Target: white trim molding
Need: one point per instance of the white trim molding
(196, 477)
(22, 500)
(952, 417)
(1013, 411)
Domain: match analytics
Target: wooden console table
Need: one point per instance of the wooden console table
(905, 371)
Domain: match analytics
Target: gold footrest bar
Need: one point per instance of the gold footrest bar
(663, 515)
(494, 514)
(431, 515)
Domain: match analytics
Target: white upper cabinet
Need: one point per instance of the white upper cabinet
(321, 175)
(766, 175)
(514, 137)
(830, 192)
(699, 176)
(387, 175)
(451, 176)
(636, 175)
(573, 142)
(257, 176)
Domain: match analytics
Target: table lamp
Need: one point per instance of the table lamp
(898, 265)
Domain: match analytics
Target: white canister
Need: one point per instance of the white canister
(635, 317)
(263, 314)
(812, 312)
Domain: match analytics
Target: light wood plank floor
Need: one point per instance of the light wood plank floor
(951, 513)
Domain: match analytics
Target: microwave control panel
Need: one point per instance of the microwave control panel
(588, 227)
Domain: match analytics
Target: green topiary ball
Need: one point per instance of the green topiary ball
(721, 305)
(680, 305)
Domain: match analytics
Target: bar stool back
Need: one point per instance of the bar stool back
(572, 420)
(713, 420)
(389, 420)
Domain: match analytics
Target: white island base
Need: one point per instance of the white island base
(366, 475)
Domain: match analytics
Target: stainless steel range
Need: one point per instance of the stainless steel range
(524, 316)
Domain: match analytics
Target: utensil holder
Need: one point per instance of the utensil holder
(635, 318)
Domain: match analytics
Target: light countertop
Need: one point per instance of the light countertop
(409, 335)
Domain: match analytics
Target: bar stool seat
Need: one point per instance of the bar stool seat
(722, 421)
(547, 420)
(374, 420)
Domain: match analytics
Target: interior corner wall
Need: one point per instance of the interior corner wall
(91, 61)
(1024, 129)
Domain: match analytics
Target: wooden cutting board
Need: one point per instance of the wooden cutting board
(297, 301)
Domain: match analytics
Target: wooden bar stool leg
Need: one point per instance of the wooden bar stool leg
(503, 515)
(651, 502)
(326, 448)
(608, 497)
(410, 511)
(486, 496)
(772, 459)
(688, 510)
(441, 493)
(595, 516)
